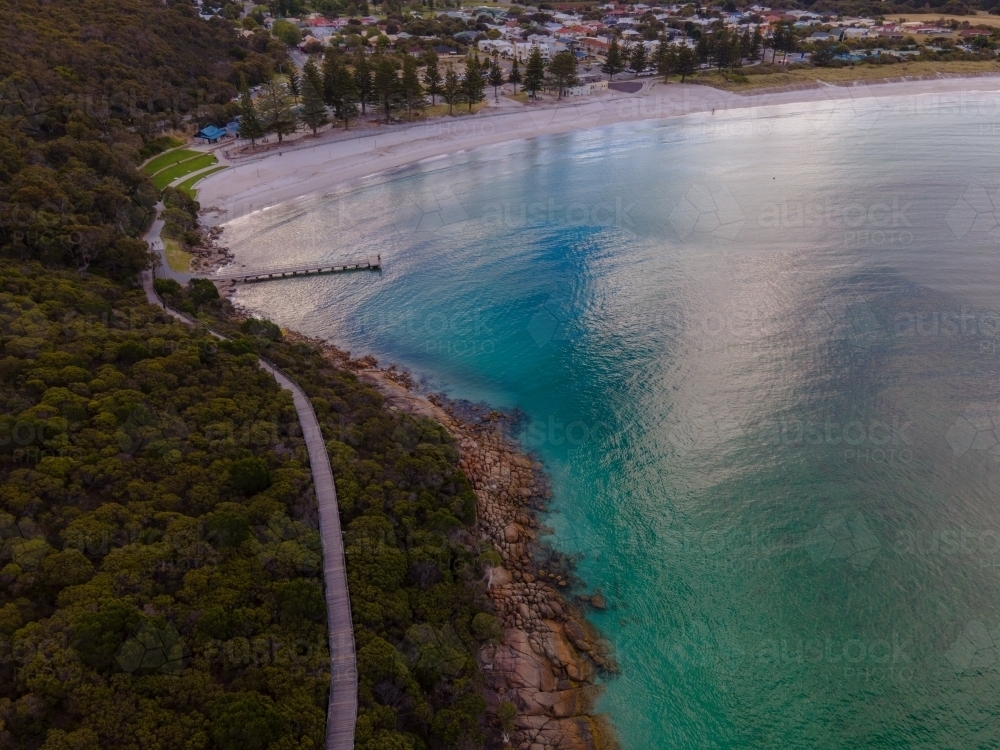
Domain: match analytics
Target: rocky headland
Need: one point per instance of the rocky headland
(548, 659)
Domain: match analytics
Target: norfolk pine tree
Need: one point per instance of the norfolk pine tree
(562, 69)
(344, 94)
(452, 88)
(250, 125)
(703, 49)
(638, 57)
(613, 62)
(687, 62)
(666, 59)
(496, 76)
(385, 83)
(432, 75)
(514, 77)
(472, 83)
(756, 45)
(412, 89)
(276, 110)
(313, 107)
(363, 79)
(534, 72)
(330, 63)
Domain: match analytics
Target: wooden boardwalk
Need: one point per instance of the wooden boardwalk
(253, 275)
(342, 711)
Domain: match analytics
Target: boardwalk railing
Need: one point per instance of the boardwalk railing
(251, 275)
(342, 710)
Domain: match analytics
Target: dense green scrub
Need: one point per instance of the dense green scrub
(160, 564)
(86, 88)
(414, 571)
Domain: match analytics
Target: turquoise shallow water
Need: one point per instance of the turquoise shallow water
(759, 356)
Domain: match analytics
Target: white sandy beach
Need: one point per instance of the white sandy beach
(316, 166)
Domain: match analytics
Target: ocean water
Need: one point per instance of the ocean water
(759, 354)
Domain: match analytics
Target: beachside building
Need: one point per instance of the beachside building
(586, 89)
(210, 134)
(523, 50)
(594, 45)
(496, 47)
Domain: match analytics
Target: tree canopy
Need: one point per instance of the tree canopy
(160, 562)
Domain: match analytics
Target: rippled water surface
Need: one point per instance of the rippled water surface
(759, 355)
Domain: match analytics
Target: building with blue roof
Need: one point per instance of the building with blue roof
(211, 134)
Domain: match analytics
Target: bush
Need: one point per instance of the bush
(287, 32)
(167, 286)
(202, 291)
(249, 476)
(490, 558)
(131, 352)
(506, 713)
(486, 627)
(229, 529)
(246, 721)
(261, 328)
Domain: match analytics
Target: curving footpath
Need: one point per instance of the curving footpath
(342, 711)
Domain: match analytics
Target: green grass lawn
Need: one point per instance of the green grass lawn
(462, 108)
(165, 177)
(168, 159)
(188, 185)
(767, 76)
(177, 258)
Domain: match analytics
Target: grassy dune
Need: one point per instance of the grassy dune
(765, 77)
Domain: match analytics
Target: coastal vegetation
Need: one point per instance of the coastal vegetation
(161, 578)
(160, 545)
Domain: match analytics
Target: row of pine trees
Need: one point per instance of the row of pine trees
(347, 87)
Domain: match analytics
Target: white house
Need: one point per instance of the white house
(496, 47)
(523, 50)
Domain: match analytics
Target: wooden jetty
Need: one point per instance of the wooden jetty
(254, 275)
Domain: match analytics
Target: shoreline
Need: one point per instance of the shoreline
(549, 658)
(326, 167)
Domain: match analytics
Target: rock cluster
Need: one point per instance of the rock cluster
(548, 658)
